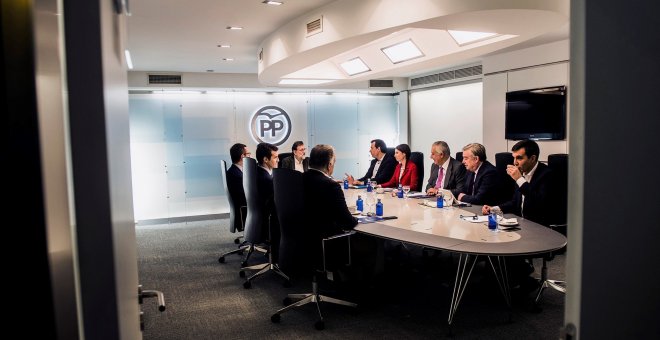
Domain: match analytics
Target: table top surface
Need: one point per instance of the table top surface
(443, 228)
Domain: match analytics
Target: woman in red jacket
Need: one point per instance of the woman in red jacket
(405, 172)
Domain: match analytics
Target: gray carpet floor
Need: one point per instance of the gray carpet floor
(206, 299)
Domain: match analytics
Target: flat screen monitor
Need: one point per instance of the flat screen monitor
(536, 114)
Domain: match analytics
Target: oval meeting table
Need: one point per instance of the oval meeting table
(455, 230)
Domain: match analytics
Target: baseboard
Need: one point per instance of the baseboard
(182, 219)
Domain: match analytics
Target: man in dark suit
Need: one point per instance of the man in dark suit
(297, 161)
(237, 152)
(381, 167)
(481, 180)
(268, 159)
(446, 172)
(533, 198)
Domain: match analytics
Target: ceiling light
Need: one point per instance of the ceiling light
(228, 59)
(129, 61)
(234, 28)
(304, 81)
(466, 37)
(274, 3)
(354, 66)
(224, 46)
(403, 51)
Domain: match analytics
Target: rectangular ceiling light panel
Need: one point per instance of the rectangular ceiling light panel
(354, 66)
(402, 51)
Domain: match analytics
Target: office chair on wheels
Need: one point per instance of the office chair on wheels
(298, 241)
(559, 165)
(237, 214)
(258, 227)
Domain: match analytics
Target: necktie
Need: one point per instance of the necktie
(474, 179)
(438, 183)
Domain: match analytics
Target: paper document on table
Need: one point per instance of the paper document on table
(448, 197)
(418, 194)
(475, 218)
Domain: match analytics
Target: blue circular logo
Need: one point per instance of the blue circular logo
(271, 124)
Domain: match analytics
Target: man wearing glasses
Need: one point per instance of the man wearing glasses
(298, 161)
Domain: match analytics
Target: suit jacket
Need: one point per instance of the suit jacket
(271, 226)
(454, 177)
(409, 177)
(325, 205)
(235, 185)
(485, 185)
(539, 198)
(385, 170)
(289, 163)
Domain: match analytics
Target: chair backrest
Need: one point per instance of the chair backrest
(459, 156)
(417, 157)
(284, 155)
(558, 163)
(236, 219)
(256, 215)
(507, 186)
(390, 151)
(289, 201)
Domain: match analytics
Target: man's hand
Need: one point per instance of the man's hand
(460, 196)
(485, 209)
(350, 179)
(432, 191)
(513, 171)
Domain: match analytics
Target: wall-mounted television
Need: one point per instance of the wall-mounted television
(536, 114)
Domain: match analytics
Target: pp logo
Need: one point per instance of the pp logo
(271, 124)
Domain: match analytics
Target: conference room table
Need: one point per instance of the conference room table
(453, 229)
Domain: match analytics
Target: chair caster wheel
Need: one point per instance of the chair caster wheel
(275, 318)
(221, 259)
(161, 308)
(236, 241)
(247, 284)
(287, 301)
(287, 284)
(241, 274)
(320, 325)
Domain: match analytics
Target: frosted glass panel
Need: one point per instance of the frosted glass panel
(378, 119)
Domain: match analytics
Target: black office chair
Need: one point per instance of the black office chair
(284, 155)
(257, 226)
(459, 156)
(237, 214)
(558, 163)
(418, 158)
(390, 151)
(506, 186)
(299, 243)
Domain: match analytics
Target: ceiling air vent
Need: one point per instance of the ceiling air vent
(447, 76)
(381, 83)
(315, 26)
(160, 79)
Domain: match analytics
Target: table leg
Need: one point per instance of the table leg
(466, 264)
(498, 263)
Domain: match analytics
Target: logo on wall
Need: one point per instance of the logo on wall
(271, 124)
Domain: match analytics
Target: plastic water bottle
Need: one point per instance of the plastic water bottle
(369, 187)
(345, 183)
(379, 208)
(399, 193)
(440, 202)
(359, 204)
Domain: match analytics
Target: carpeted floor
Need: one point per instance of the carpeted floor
(206, 299)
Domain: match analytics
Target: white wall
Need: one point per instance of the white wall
(540, 66)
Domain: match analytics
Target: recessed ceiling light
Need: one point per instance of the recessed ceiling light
(304, 81)
(467, 37)
(274, 3)
(234, 28)
(355, 66)
(224, 46)
(402, 51)
(228, 59)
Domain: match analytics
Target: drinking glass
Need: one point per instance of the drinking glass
(371, 202)
(406, 190)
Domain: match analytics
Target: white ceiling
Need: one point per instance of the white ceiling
(182, 36)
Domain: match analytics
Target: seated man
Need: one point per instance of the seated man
(381, 168)
(298, 161)
(267, 158)
(446, 172)
(237, 152)
(481, 180)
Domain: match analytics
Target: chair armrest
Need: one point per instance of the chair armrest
(347, 235)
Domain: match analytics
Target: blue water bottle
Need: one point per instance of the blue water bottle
(440, 202)
(359, 204)
(379, 208)
(399, 193)
(369, 187)
(345, 183)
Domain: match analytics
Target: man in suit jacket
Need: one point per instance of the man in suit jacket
(533, 198)
(381, 167)
(481, 180)
(453, 172)
(267, 158)
(237, 152)
(297, 161)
